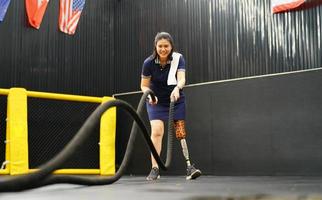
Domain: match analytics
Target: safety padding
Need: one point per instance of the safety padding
(17, 147)
(17, 131)
(107, 140)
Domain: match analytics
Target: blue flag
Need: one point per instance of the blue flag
(3, 8)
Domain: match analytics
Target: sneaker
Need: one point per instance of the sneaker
(192, 172)
(154, 174)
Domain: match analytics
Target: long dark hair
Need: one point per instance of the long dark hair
(159, 36)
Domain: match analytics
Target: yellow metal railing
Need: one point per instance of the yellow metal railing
(4, 91)
(17, 132)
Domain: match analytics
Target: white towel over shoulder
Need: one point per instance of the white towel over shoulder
(173, 68)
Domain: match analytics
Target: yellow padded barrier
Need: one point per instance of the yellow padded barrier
(17, 131)
(107, 140)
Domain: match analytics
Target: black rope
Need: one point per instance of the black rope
(43, 176)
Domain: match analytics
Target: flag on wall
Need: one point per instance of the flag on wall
(69, 14)
(284, 5)
(3, 8)
(35, 11)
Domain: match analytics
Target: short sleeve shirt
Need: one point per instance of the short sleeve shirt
(159, 75)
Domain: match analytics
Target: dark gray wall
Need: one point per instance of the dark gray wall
(261, 126)
(219, 39)
(48, 60)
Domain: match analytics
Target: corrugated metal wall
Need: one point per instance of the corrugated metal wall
(49, 60)
(220, 39)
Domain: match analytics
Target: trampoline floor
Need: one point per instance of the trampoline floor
(176, 187)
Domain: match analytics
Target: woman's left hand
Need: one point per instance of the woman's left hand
(175, 94)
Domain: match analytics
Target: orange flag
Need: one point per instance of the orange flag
(35, 11)
(285, 5)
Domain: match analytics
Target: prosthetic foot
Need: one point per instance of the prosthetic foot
(192, 172)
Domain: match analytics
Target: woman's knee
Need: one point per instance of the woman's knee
(157, 128)
(157, 132)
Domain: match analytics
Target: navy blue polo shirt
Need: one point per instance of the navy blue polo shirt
(159, 75)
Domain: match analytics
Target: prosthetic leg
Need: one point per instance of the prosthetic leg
(179, 126)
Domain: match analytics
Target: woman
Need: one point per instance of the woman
(164, 73)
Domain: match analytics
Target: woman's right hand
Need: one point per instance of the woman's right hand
(151, 101)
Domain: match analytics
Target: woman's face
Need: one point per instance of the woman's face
(163, 48)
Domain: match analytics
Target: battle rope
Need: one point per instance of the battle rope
(43, 176)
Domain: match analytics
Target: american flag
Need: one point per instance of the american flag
(35, 11)
(70, 11)
(3, 8)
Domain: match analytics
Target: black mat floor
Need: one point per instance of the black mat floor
(176, 187)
